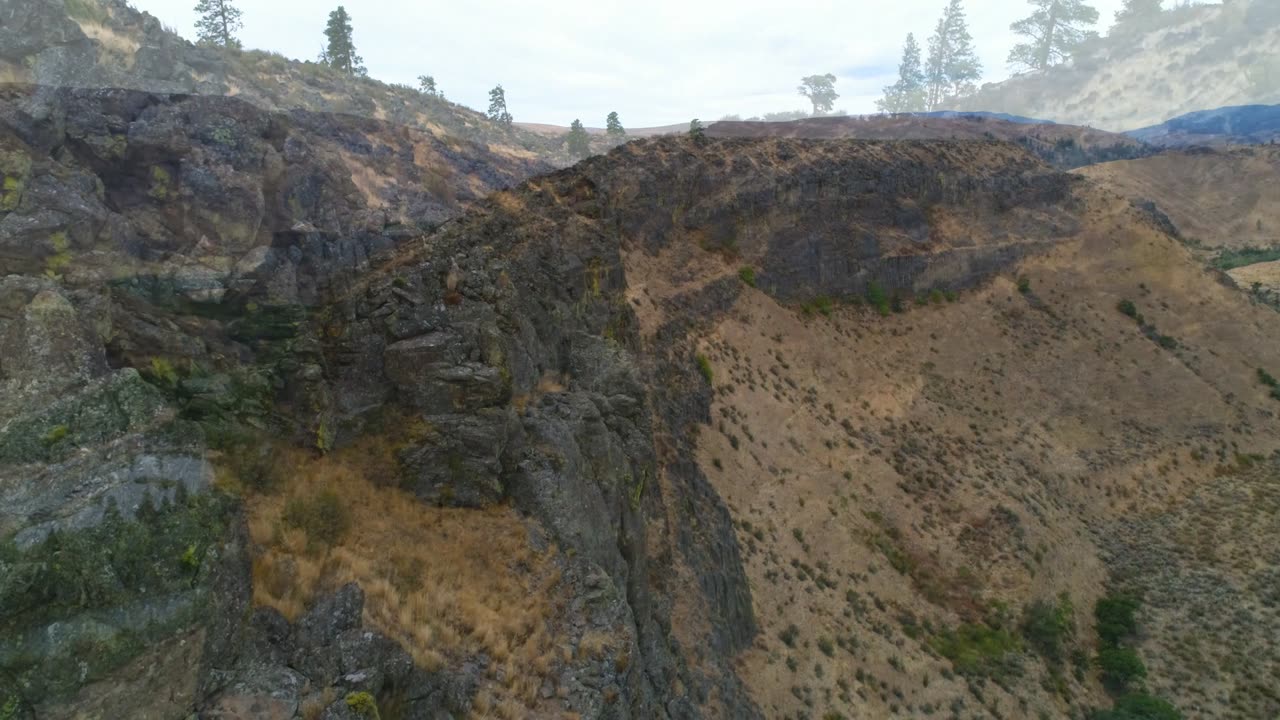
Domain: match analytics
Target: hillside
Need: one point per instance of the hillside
(1244, 125)
(730, 428)
(1064, 146)
(108, 44)
(1193, 59)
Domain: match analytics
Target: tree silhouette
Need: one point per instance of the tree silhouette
(908, 93)
(953, 67)
(498, 106)
(340, 49)
(821, 91)
(578, 142)
(218, 22)
(613, 126)
(1055, 29)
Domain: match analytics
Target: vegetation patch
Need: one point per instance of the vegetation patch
(704, 367)
(441, 581)
(978, 649)
(1232, 259)
(748, 275)
(1049, 626)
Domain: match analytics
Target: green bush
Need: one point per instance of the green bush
(877, 298)
(1265, 378)
(1128, 308)
(1115, 617)
(1048, 627)
(978, 649)
(704, 367)
(1024, 285)
(1120, 667)
(362, 704)
(748, 275)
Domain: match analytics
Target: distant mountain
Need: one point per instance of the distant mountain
(1242, 125)
(1184, 60)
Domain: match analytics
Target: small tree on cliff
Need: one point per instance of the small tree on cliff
(218, 22)
(498, 106)
(821, 91)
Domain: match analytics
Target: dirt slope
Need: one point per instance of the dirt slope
(1220, 199)
(891, 478)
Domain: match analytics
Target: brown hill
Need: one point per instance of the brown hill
(1219, 199)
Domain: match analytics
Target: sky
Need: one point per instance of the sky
(655, 62)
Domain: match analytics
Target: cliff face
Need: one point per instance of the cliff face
(247, 319)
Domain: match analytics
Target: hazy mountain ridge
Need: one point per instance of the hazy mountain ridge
(1200, 57)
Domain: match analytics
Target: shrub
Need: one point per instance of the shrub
(789, 634)
(748, 275)
(1128, 308)
(1024, 285)
(977, 649)
(363, 705)
(1120, 667)
(322, 516)
(877, 298)
(704, 367)
(827, 647)
(1265, 378)
(1115, 617)
(1048, 627)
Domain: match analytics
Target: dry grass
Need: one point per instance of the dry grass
(114, 45)
(447, 583)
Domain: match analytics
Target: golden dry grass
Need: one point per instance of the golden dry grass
(446, 583)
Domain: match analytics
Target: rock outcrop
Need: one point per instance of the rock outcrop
(200, 278)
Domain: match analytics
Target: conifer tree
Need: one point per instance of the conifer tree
(340, 47)
(908, 93)
(578, 142)
(218, 22)
(953, 67)
(821, 91)
(498, 106)
(1055, 30)
(613, 126)
(1138, 12)
(427, 85)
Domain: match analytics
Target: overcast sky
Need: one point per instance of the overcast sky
(656, 62)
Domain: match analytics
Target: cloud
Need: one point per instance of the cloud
(657, 62)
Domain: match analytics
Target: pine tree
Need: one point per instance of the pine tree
(613, 126)
(498, 106)
(1056, 29)
(1139, 11)
(578, 141)
(953, 66)
(218, 22)
(427, 85)
(821, 91)
(908, 94)
(340, 50)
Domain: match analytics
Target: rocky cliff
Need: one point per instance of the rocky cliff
(272, 368)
